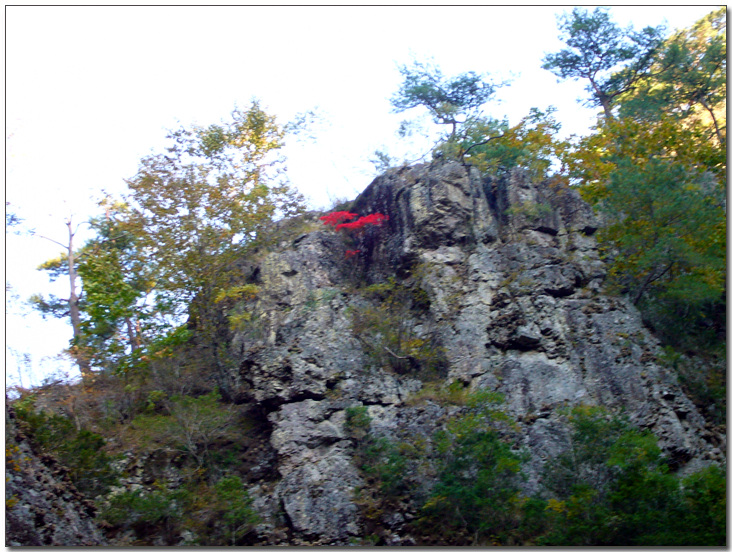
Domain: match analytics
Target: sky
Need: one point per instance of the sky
(90, 90)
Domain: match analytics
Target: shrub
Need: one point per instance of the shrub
(390, 334)
(144, 511)
(192, 426)
(234, 505)
(80, 450)
(613, 488)
(476, 498)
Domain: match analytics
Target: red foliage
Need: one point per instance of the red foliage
(352, 253)
(377, 219)
(337, 217)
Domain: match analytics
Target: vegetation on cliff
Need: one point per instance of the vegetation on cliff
(171, 276)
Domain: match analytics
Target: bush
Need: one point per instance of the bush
(79, 450)
(476, 498)
(390, 333)
(614, 488)
(216, 515)
(234, 506)
(192, 426)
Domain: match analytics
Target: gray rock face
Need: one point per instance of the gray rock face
(43, 508)
(514, 286)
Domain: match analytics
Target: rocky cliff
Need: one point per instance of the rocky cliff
(42, 506)
(501, 289)
(377, 336)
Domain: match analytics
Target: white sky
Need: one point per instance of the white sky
(91, 90)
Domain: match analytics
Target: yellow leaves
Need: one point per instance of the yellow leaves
(558, 506)
(54, 264)
(434, 502)
(238, 320)
(246, 291)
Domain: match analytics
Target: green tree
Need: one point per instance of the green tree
(191, 425)
(118, 284)
(198, 207)
(611, 59)
(79, 450)
(234, 503)
(476, 497)
(195, 208)
(657, 173)
(687, 80)
(450, 101)
(496, 148)
(613, 487)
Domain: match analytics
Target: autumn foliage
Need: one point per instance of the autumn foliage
(336, 219)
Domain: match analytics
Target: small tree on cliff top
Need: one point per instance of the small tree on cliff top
(452, 101)
(611, 59)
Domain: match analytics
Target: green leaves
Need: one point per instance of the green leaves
(688, 79)
(80, 450)
(613, 487)
(610, 58)
(476, 497)
(657, 173)
(447, 100)
(196, 207)
(234, 503)
(496, 148)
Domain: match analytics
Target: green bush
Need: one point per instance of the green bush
(234, 506)
(143, 510)
(192, 425)
(79, 450)
(217, 514)
(476, 498)
(613, 488)
(383, 462)
(387, 330)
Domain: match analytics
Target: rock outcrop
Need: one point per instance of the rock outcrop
(42, 506)
(473, 283)
(511, 298)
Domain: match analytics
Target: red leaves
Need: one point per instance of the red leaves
(337, 217)
(377, 219)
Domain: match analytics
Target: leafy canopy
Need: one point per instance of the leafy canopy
(610, 58)
(450, 101)
(211, 195)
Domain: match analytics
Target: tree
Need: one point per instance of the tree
(688, 79)
(450, 101)
(613, 487)
(66, 265)
(235, 505)
(474, 499)
(657, 173)
(195, 211)
(610, 58)
(496, 147)
(118, 286)
(195, 208)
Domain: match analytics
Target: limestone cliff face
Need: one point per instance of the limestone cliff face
(514, 303)
(488, 284)
(42, 506)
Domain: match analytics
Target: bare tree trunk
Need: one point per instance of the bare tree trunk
(133, 334)
(74, 312)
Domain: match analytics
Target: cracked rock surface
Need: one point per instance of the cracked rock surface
(42, 505)
(514, 285)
